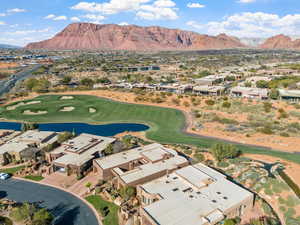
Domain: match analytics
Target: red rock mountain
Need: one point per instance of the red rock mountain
(115, 37)
(281, 42)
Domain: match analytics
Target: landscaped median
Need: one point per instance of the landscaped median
(166, 124)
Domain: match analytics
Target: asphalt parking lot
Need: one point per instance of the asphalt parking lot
(67, 209)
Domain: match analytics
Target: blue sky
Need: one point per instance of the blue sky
(24, 21)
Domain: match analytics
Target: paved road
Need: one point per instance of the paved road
(67, 209)
(8, 84)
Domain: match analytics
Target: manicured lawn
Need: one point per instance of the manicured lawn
(13, 170)
(108, 210)
(34, 177)
(166, 124)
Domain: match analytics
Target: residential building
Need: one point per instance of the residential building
(26, 145)
(139, 165)
(247, 92)
(210, 80)
(194, 195)
(289, 95)
(76, 155)
(209, 90)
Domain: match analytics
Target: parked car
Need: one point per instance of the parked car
(4, 176)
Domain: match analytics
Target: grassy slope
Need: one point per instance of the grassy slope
(166, 124)
(12, 170)
(100, 204)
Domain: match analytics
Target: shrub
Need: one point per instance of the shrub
(209, 102)
(199, 157)
(223, 164)
(226, 105)
(284, 134)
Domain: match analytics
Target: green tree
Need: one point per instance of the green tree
(127, 192)
(109, 150)
(88, 185)
(29, 126)
(224, 151)
(42, 217)
(274, 94)
(66, 80)
(248, 84)
(262, 84)
(62, 137)
(87, 82)
(229, 222)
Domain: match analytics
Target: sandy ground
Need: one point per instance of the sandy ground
(289, 144)
(30, 113)
(67, 109)
(292, 169)
(6, 65)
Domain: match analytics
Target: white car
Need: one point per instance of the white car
(4, 176)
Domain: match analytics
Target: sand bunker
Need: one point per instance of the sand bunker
(29, 112)
(92, 110)
(67, 98)
(13, 107)
(67, 109)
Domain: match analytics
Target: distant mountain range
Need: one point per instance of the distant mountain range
(8, 46)
(88, 36)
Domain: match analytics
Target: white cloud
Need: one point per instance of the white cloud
(26, 32)
(60, 18)
(93, 18)
(195, 5)
(3, 14)
(50, 16)
(123, 24)
(2, 23)
(150, 12)
(246, 1)
(16, 10)
(22, 37)
(111, 7)
(55, 18)
(75, 19)
(248, 24)
(164, 3)
(144, 9)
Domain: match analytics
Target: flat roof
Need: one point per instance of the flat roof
(81, 149)
(149, 169)
(152, 152)
(250, 90)
(289, 93)
(34, 136)
(13, 147)
(186, 200)
(208, 88)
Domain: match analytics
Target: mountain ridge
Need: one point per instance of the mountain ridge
(133, 37)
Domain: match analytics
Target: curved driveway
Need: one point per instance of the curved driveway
(67, 209)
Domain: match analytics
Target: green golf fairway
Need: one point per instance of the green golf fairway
(166, 124)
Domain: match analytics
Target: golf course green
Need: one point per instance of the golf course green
(166, 125)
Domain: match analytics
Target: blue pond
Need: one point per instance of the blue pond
(102, 130)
